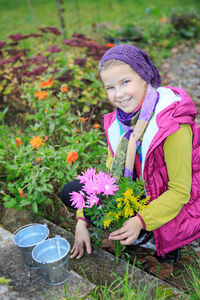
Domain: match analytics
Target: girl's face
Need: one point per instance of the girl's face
(125, 88)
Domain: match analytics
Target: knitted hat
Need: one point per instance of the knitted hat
(137, 59)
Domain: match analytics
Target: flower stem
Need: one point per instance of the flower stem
(117, 251)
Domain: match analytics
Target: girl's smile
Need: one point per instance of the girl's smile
(125, 88)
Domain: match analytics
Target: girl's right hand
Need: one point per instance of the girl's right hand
(82, 237)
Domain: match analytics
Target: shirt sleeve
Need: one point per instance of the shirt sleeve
(178, 158)
(79, 213)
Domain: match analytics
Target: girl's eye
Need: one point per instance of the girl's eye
(125, 82)
(109, 88)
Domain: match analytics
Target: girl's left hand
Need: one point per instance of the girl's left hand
(129, 232)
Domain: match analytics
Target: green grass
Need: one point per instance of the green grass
(26, 16)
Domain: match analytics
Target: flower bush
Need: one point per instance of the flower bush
(35, 57)
(51, 93)
(109, 204)
(51, 148)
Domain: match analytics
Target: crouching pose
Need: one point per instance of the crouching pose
(152, 133)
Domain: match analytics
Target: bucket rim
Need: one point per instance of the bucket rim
(25, 227)
(60, 258)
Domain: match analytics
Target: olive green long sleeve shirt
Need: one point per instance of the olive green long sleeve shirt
(178, 158)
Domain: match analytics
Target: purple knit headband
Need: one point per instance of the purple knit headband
(137, 59)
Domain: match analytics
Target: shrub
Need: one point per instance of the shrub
(34, 161)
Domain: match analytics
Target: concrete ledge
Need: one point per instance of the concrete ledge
(98, 268)
(28, 283)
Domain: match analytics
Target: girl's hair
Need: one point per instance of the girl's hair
(111, 62)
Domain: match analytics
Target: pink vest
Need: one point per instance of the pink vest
(185, 227)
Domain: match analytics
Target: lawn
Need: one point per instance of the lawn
(26, 16)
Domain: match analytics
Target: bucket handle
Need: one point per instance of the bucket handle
(27, 225)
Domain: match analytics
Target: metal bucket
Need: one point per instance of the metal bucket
(52, 257)
(26, 238)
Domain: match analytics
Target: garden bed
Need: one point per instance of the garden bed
(51, 122)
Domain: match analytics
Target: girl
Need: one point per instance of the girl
(153, 134)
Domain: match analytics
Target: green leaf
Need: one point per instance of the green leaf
(7, 90)
(10, 203)
(3, 113)
(51, 128)
(35, 206)
(25, 202)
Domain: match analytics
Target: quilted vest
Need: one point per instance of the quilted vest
(175, 107)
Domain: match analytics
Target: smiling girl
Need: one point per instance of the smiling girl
(152, 133)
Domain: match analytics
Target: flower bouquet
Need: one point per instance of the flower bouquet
(107, 203)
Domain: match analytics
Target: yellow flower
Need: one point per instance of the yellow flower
(119, 205)
(119, 199)
(108, 219)
(119, 202)
(128, 193)
(117, 216)
(128, 211)
(134, 199)
(106, 223)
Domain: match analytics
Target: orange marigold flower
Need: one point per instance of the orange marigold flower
(110, 45)
(36, 142)
(41, 95)
(65, 88)
(18, 141)
(47, 83)
(96, 125)
(77, 131)
(45, 110)
(38, 160)
(72, 156)
(21, 193)
(83, 119)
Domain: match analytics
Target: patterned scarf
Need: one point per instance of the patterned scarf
(133, 126)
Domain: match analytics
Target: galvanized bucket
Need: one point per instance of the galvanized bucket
(52, 257)
(26, 238)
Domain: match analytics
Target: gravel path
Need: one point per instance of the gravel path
(183, 70)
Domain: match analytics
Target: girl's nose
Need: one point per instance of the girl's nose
(119, 93)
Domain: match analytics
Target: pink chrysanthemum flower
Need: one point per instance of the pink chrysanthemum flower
(88, 174)
(109, 187)
(101, 183)
(92, 186)
(77, 199)
(92, 200)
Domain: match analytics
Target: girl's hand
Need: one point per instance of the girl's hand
(129, 232)
(81, 237)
